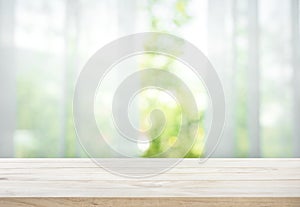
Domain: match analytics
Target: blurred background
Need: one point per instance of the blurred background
(253, 45)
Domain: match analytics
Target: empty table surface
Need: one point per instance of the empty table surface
(216, 182)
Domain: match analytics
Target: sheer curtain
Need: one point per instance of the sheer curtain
(253, 45)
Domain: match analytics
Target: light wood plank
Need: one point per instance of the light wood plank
(81, 182)
(151, 202)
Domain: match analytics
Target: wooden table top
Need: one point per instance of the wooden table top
(216, 180)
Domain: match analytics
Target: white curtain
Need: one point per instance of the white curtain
(253, 45)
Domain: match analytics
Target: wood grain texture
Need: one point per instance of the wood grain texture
(150, 202)
(80, 182)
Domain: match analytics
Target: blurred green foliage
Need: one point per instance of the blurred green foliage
(167, 139)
